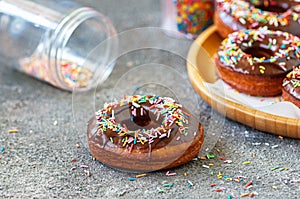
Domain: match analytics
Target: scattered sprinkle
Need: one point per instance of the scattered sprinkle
(205, 166)
(55, 123)
(210, 156)
(274, 168)
(170, 174)
(13, 131)
(247, 162)
(73, 168)
(161, 191)
(244, 194)
(131, 179)
(168, 185)
(275, 187)
(141, 175)
(249, 184)
(2, 149)
(294, 181)
(189, 182)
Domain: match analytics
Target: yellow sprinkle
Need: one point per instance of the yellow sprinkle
(220, 175)
(185, 174)
(247, 162)
(13, 130)
(286, 168)
(141, 175)
(275, 187)
(244, 194)
(211, 164)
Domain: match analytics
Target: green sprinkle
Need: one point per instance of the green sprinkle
(281, 169)
(212, 173)
(80, 189)
(161, 191)
(274, 168)
(168, 185)
(210, 156)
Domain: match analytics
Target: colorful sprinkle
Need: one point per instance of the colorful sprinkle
(13, 131)
(141, 175)
(168, 185)
(193, 16)
(2, 149)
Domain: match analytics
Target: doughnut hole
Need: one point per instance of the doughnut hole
(140, 117)
(259, 52)
(276, 7)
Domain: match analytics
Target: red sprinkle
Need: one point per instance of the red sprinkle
(222, 159)
(73, 160)
(219, 190)
(212, 185)
(131, 147)
(248, 184)
(251, 195)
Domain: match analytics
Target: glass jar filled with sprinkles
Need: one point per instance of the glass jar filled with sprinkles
(59, 42)
(186, 17)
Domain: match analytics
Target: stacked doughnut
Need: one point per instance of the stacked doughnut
(235, 15)
(260, 48)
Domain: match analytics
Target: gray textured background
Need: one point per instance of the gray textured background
(37, 163)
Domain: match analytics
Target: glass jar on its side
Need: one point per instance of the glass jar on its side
(59, 42)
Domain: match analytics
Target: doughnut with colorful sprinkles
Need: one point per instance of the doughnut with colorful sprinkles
(144, 133)
(256, 61)
(234, 15)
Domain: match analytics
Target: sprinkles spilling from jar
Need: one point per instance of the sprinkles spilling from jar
(164, 107)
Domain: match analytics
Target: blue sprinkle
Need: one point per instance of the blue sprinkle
(131, 179)
(283, 46)
(2, 149)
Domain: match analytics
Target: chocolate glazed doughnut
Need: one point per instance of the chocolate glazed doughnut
(291, 87)
(235, 15)
(255, 62)
(144, 133)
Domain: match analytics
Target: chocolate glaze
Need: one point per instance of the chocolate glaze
(260, 49)
(147, 121)
(279, 7)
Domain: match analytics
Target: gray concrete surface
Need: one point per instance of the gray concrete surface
(37, 161)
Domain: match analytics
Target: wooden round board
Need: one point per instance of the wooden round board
(201, 69)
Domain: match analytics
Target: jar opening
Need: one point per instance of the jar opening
(72, 55)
